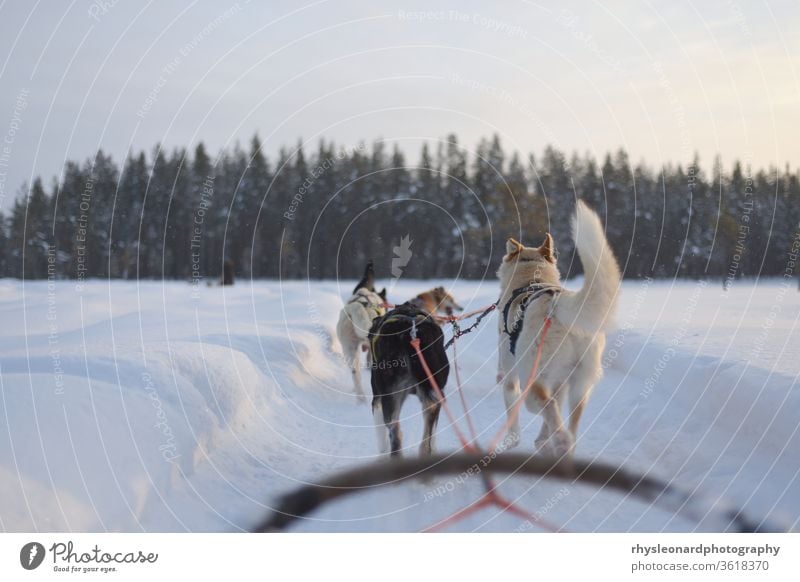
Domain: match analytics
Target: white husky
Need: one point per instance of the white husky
(570, 361)
(355, 319)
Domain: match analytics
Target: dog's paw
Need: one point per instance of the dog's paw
(563, 443)
(559, 445)
(542, 447)
(512, 439)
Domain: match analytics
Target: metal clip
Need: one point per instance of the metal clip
(414, 328)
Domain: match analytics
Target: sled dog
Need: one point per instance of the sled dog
(397, 372)
(571, 354)
(355, 320)
(435, 300)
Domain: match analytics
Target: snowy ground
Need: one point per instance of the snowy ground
(140, 407)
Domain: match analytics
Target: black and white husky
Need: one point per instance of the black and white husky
(355, 320)
(397, 372)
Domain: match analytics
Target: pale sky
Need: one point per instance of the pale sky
(662, 79)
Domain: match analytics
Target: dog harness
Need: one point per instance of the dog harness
(529, 294)
(364, 301)
(416, 320)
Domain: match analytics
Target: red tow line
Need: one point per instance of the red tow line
(490, 497)
(440, 396)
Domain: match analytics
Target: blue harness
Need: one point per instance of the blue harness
(531, 293)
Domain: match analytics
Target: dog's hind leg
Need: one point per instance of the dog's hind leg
(577, 402)
(554, 438)
(587, 374)
(431, 408)
(391, 417)
(511, 395)
(584, 380)
(355, 371)
(381, 429)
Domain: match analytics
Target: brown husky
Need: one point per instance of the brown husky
(435, 300)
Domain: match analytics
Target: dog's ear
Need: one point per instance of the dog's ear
(548, 249)
(382, 294)
(513, 248)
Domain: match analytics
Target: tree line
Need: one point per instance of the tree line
(323, 214)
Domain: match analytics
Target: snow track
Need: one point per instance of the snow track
(136, 407)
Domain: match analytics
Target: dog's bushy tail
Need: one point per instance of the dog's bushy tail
(590, 310)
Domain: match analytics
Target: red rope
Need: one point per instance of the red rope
(462, 513)
(451, 318)
(512, 418)
(440, 396)
(490, 496)
(463, 398)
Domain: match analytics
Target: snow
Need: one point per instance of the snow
(145, 407)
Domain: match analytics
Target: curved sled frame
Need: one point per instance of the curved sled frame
(305, 500)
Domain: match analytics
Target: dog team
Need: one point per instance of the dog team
(567, 363)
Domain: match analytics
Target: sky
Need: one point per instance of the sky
(661, 79)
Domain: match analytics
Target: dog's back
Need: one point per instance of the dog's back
(356, 317)
(393, 355)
